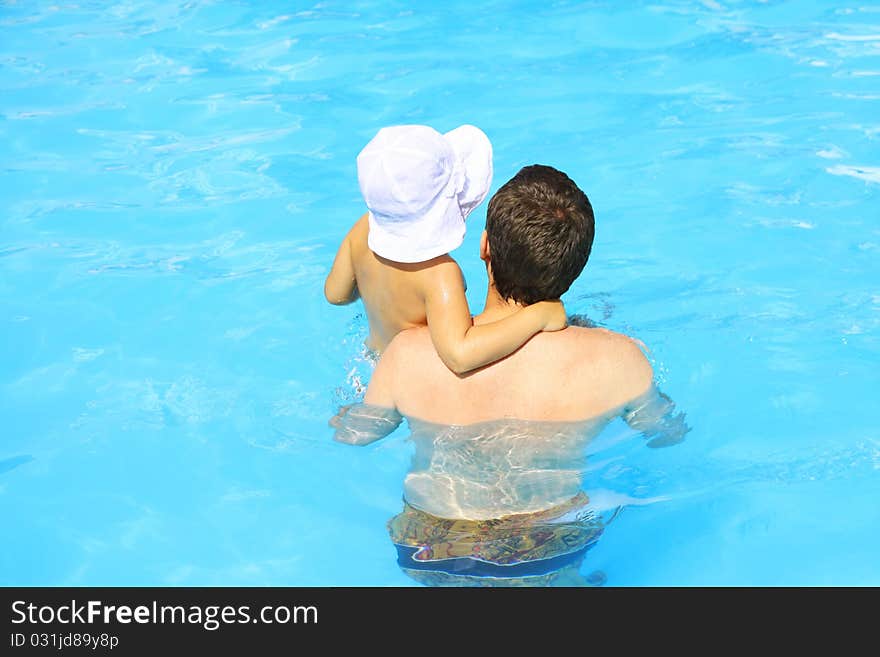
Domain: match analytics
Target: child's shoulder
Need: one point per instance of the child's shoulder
(443, 272)
(442, 265)
(359, 232)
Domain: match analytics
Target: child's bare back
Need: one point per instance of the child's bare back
(392, 292)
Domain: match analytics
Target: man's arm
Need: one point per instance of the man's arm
(377, 416)
(362, 424)
(653, 415)
(464, 347)
(648, 410)
(340, 288)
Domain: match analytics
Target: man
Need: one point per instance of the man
(504, 444)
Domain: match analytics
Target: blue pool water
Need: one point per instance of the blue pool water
(175, 178)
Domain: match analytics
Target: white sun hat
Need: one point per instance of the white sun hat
(420, 186)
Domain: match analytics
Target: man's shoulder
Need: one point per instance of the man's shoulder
(622, 355)
(603, 336)
(409, 345)
(411, 337)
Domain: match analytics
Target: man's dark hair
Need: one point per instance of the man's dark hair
(540, 228)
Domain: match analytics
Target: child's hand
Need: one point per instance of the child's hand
(554, 315)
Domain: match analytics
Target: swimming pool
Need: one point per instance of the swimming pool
(176, 177)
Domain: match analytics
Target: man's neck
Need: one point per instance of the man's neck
(496, 308)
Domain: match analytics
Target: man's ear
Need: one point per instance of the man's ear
(484, 247)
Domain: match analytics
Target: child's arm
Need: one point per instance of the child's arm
(464, 347)
(340, 288)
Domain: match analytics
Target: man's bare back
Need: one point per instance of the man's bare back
(570, 375)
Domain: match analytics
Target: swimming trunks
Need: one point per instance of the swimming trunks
(530, 549)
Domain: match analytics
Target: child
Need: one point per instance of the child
(419, 187)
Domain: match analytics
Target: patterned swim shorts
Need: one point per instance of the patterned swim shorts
(544, 548)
